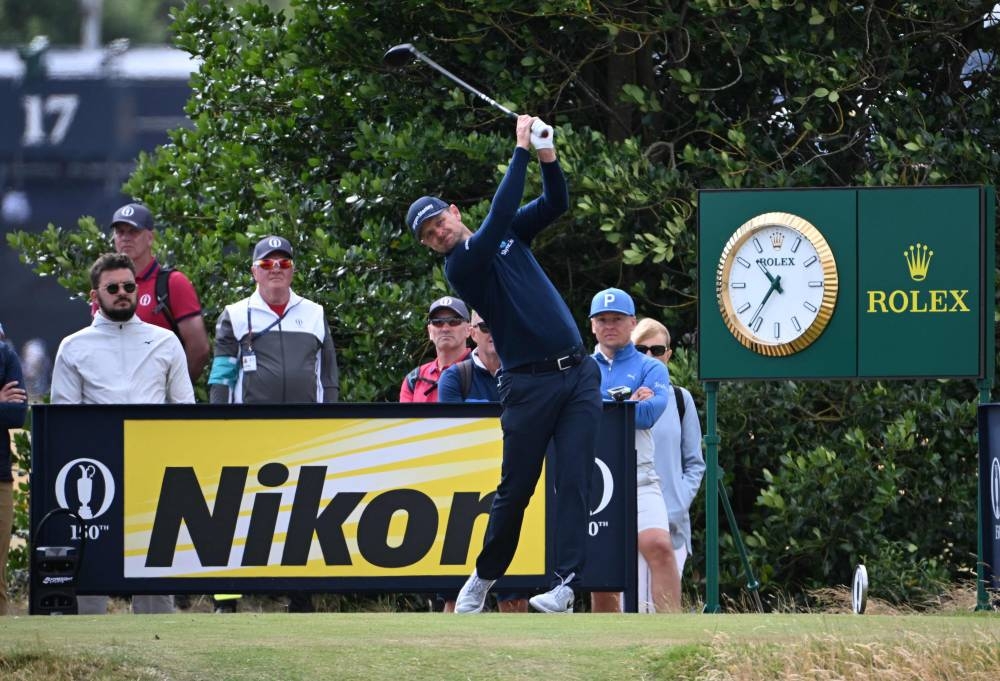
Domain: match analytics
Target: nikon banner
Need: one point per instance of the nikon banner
(989, 495)
(345, 497)
(846, 283)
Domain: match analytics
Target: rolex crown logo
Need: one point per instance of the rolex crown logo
(918, 260)
(777, 238)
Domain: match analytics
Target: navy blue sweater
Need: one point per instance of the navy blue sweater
(11, 414)
(495, 272)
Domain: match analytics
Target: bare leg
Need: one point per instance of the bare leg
(605, 601)
(515, 605)
(656, 548)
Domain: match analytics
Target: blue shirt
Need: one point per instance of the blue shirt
(495, 272)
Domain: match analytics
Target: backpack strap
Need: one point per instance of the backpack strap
(465, 372)
(163, 299)
(411, 378)
(414, 377)
(679, 402)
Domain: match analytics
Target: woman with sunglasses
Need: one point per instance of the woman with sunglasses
(679, 462)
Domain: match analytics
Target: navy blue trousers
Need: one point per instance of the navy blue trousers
(564, 408)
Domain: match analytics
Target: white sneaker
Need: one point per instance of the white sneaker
(558, 600)
(472, 597)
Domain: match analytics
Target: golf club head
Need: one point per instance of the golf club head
(398, 55)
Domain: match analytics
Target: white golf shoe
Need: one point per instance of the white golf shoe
(472, 597)
(557, 600)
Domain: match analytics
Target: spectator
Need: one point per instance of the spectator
(274, 347)
(612, 318)
(680, 464)
(13, 409)
(448, 329)
(475, 380)
(166, 297)
(120, 359)
(549, 385)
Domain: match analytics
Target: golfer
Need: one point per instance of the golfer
(549, 384)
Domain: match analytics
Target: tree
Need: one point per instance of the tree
(299, 129)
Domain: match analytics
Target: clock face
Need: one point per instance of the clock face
(776, 284)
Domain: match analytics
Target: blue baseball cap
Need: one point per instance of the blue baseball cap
(421, 209)
(612, 300)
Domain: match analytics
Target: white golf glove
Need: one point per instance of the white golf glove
(541, 135)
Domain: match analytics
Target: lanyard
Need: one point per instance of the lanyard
(250, 333)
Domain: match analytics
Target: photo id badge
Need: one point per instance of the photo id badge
(249, 362)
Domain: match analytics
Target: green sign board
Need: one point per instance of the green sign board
(846, 283)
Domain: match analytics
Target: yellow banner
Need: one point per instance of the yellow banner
(315, 498)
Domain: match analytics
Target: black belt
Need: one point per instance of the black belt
(548, 365)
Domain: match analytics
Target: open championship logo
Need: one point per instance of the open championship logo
(995, 487)
(607, 486)
(77, 478)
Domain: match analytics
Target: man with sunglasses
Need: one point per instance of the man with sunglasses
(171, 304)
(120, 359)
(549, 385)
(448, 330)
(273, 347)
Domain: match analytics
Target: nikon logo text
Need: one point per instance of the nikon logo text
(213, 531)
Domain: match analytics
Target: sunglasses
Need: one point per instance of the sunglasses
(129, 287)
(483, 327)
(656, 350)
(450, 321)
(274, 264)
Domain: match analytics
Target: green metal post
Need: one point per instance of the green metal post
(753, 586)
(982, 598)
(711, 499)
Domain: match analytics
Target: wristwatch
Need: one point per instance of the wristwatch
(776, 284)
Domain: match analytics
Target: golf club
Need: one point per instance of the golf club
(398, 56)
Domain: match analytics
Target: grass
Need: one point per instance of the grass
(250, 646)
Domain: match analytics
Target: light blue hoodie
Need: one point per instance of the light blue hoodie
(630, 368)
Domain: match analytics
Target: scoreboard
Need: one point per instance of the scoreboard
(67, 144)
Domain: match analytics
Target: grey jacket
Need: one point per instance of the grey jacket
(294, 354)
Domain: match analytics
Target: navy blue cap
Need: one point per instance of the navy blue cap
(134, 214)
(269, 245)
(612, 300)
(456, 305)
(421, 209)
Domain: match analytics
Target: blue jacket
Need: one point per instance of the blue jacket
(11, 415)
(495, 272)
(633, 369)
(482, 389)
(630, 368)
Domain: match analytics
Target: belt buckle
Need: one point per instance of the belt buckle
(567, 359)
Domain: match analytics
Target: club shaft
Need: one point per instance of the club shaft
(448, 74)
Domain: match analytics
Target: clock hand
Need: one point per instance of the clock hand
(775, 286)
(769, 276)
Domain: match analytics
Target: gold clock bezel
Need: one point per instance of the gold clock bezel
(830, 284)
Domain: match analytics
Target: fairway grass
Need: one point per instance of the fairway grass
(494, 646)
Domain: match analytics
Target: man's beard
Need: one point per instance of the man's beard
(119, 314)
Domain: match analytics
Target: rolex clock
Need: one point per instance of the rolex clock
(776, 284)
